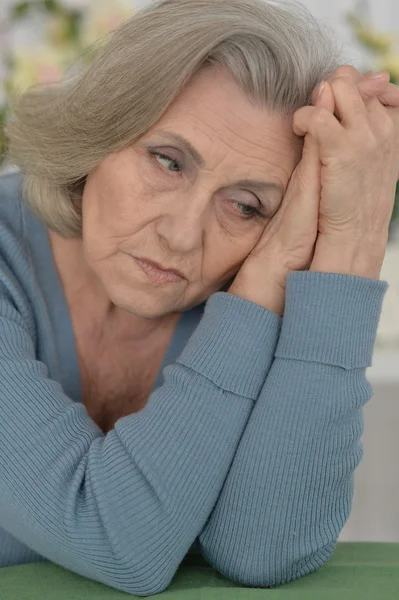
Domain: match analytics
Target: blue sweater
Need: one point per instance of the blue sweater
(247, 446)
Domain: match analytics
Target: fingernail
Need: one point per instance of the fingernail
(321, 90)
(378, 75)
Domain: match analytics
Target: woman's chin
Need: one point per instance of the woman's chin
(151, 301)
(148, 304)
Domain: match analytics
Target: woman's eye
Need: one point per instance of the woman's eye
(167, 161)
(247, 211)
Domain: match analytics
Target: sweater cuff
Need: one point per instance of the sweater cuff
(234, 344)
(331, 318)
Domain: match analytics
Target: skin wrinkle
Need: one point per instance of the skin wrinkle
(270, 137)
(228, 128)
(267, 195)
(136, 205)
(242, 137)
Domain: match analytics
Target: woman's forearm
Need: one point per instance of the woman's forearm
(289, 489)
(126, 507)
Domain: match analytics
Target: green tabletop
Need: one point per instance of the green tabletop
(366, 571)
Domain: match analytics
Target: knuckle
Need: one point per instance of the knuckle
(369, 141)
(387, 127)
(339, 83)
(321, 117)
(347, 158)
(346, 71)
(300, 115)
(342, 86)
(342, 82)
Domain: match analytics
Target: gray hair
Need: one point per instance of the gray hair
(276, 51)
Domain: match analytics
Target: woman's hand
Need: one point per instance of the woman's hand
(359, 152)
(289, 240)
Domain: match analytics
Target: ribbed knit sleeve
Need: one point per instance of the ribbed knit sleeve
(289, 490)
(124, 508)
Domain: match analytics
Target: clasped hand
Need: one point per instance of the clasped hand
(358, 137)
(338, 205)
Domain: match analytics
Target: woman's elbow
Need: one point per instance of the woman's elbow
(249, 571)
(126, 575)
(137, 586)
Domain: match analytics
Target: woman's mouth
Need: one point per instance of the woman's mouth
(157, 275)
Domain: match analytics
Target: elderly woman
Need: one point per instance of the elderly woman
(189, 297)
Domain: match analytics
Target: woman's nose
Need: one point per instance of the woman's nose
(182, 230)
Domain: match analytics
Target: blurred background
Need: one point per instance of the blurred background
(41, 38)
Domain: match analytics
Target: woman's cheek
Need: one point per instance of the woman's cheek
(226, 253)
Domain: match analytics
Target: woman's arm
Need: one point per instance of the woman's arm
(125, 508)
(289, 490)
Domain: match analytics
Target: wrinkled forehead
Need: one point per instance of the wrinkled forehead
(226, 127)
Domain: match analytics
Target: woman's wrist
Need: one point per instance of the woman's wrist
(273, 300)
(349, 258)
(267, 291)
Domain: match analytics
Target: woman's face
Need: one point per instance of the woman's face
(194, 193)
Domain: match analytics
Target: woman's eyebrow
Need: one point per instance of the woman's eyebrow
(188, 147)
(198, 159)
(259, 186)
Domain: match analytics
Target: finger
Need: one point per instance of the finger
(305, 183)
(346, 71)
(380, 105)
(385, 120)
(322, 125)
(388, 95)
(386, 92)
(327, 98)
(374, 74)
(382, 118)
(309, 170)
(350, 107)
(342, 71)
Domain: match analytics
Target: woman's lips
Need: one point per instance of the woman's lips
(157, 275)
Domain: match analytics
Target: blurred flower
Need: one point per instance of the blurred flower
(391, 64)
(69, 27)
(43, 64)
(102, 17)
(2, 136)
(379, 41)
(74, 4)
(58, 30)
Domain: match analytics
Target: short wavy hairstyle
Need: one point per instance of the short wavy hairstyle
(57, 134)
